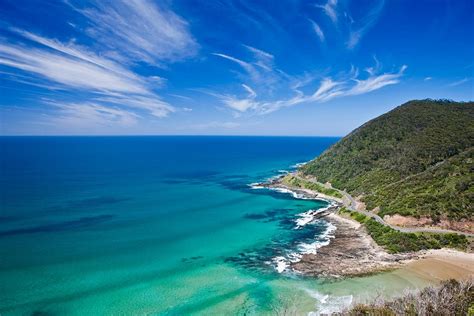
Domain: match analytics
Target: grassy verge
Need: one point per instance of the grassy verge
(292, 181)
(394, 241)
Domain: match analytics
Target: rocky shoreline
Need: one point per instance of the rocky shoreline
(276, 184)
(352, 252)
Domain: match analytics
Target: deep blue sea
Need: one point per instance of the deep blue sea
(155, 226)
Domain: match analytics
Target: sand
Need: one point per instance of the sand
(440, 264)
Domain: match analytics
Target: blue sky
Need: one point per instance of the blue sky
(226, 67)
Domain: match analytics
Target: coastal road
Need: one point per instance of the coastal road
(352, 206)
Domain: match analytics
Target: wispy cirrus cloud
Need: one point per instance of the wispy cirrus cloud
(151, 104)
(375, 82)
(234, 102)
(69, 70)
(349, 84)
(89, 114)
(216, 125)
(260, 70)
(358, 27)
(75, 68)
(141, 30)
(317, 30)
(248, 67)
(330, 9)
(252, 93)
(350, 26)
(101, 74)
(458, 82)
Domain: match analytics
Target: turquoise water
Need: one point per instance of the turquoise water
(157, 225)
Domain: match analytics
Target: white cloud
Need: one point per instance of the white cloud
(141, 30)
(354, 38)
(154, 105)
(458, 83)
(75, 68)
(351, 28)
(318, 31)
(216, 124)
(248, 67)
(374, 69)
(237, 104)
(375, 82)
(260, 70)
(68, 70)
(262, 59)
(427, 78)
(83, 115)
(348, 84)
(358, 27)
(330, 10)
(252, 93)
(182, 97)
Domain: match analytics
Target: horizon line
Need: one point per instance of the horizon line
(168, 135)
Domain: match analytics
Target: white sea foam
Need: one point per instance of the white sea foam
(296, 195)
(304, 218)
(256, 185)
(308, 216)
(322, 240)
(297, 165)
(328, 304)
(282, 263)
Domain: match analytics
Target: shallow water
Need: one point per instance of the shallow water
(160, 225)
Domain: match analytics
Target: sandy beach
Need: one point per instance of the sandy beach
(440, 264)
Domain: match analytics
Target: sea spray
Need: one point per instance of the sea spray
(281, 263)
(309, 216)
(328, 304)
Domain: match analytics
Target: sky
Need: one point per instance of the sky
(188, 67)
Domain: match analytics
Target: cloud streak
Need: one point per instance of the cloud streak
(84, 115)
(141, 30)
(349, 84)
(124, 33)
(75, 68)
(350, 26)
(458, 83)
(318, 30)
(330, 9)
(358, 28)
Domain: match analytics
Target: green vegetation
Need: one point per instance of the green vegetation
(450, 298)
(394, 241)
(414, 160)
(292, 181)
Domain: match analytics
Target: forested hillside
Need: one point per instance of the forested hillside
(414, 160)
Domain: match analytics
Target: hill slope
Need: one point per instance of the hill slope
(414, 160)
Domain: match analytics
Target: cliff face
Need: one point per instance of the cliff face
(414, 160)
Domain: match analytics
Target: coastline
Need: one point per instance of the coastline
(352, 252)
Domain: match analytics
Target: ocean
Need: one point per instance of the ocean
(165, 225)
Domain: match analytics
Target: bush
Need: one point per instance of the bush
(395, 241)
(450, 298)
